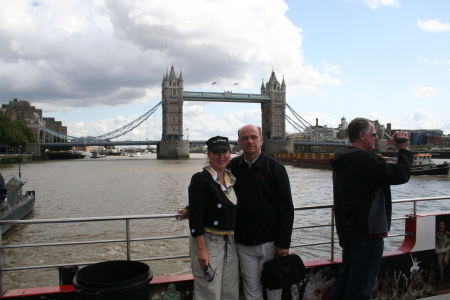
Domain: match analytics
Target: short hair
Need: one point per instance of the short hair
(355, 127)
(259, 129)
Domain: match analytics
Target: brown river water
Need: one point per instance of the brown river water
(117, 186)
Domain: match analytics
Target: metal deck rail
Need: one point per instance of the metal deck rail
(128, 240)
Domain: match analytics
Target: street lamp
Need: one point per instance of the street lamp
(187, 130)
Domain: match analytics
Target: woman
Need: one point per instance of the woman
(212, 209)
(442, 248)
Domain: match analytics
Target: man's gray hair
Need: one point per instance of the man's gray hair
(357, 126)
(259, 129)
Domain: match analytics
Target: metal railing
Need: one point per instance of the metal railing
(128, 240)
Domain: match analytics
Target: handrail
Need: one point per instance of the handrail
(128, 238)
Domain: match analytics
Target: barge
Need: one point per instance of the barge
(417, 269)
(306, 160)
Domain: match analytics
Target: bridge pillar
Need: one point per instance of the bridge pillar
(173, 149)
(272, 147)
(273, 113)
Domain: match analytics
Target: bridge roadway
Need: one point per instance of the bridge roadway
(225, 97)
(191, 142)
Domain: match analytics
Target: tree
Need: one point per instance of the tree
(14, 133)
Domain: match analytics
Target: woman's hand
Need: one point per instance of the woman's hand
(203, 258)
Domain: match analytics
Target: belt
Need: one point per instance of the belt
(372, 236)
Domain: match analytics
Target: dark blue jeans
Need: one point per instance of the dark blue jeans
(361, 259)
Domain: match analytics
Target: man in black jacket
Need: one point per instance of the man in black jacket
(265, 212)
(363, 205)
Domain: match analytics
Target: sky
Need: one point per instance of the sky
(97, 65)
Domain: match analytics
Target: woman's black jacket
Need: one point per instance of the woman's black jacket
(209, 206)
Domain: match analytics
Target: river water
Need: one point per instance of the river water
(115, 186)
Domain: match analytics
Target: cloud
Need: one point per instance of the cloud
(421, 118)
(88, 53)
(330, 68)
(424, 91)
(203, 125)
(374, 4)
(433, 26)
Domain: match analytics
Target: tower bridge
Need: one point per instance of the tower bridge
(172, 145)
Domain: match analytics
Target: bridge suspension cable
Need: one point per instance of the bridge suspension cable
(110, 135)
(313, 132)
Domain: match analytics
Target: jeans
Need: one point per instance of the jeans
(361, 259)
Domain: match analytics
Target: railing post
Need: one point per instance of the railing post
(128, 239)
(415, 207)
(1, 261)
(332, 234)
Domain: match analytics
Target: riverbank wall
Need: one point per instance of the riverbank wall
(6, 159)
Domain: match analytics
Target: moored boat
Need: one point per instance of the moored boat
(424, 165)
(16, 206)
(70, 154)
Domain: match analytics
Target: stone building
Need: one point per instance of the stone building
(23, 110)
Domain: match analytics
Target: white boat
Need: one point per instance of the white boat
(424, 165)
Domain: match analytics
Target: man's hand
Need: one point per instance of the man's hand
(400, 135)
(280, 251)
(184, 214)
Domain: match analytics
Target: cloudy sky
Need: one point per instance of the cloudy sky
(97, 65)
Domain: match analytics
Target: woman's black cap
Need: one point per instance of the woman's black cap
(218, 143)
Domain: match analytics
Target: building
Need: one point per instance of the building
(445, 140)
(312, 132)
(23, 110)
(419, 137)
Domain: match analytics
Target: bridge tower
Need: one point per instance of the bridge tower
(273, 117)
(172, 145)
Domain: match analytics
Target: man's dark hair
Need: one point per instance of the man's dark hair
(357, 126)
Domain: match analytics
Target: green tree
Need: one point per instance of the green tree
(14, 133)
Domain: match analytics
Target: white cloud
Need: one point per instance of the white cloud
(421, 118)
(424, 91)
(433, 26)
(87, 53)
(330, 68)
(203, 125)
(377, 3)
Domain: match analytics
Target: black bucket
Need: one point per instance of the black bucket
(66, 274)
(113, 280)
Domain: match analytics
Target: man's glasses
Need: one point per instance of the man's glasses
(252, 137)
(208, 275)
(373, 134)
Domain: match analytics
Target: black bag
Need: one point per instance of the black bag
(283, 272)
